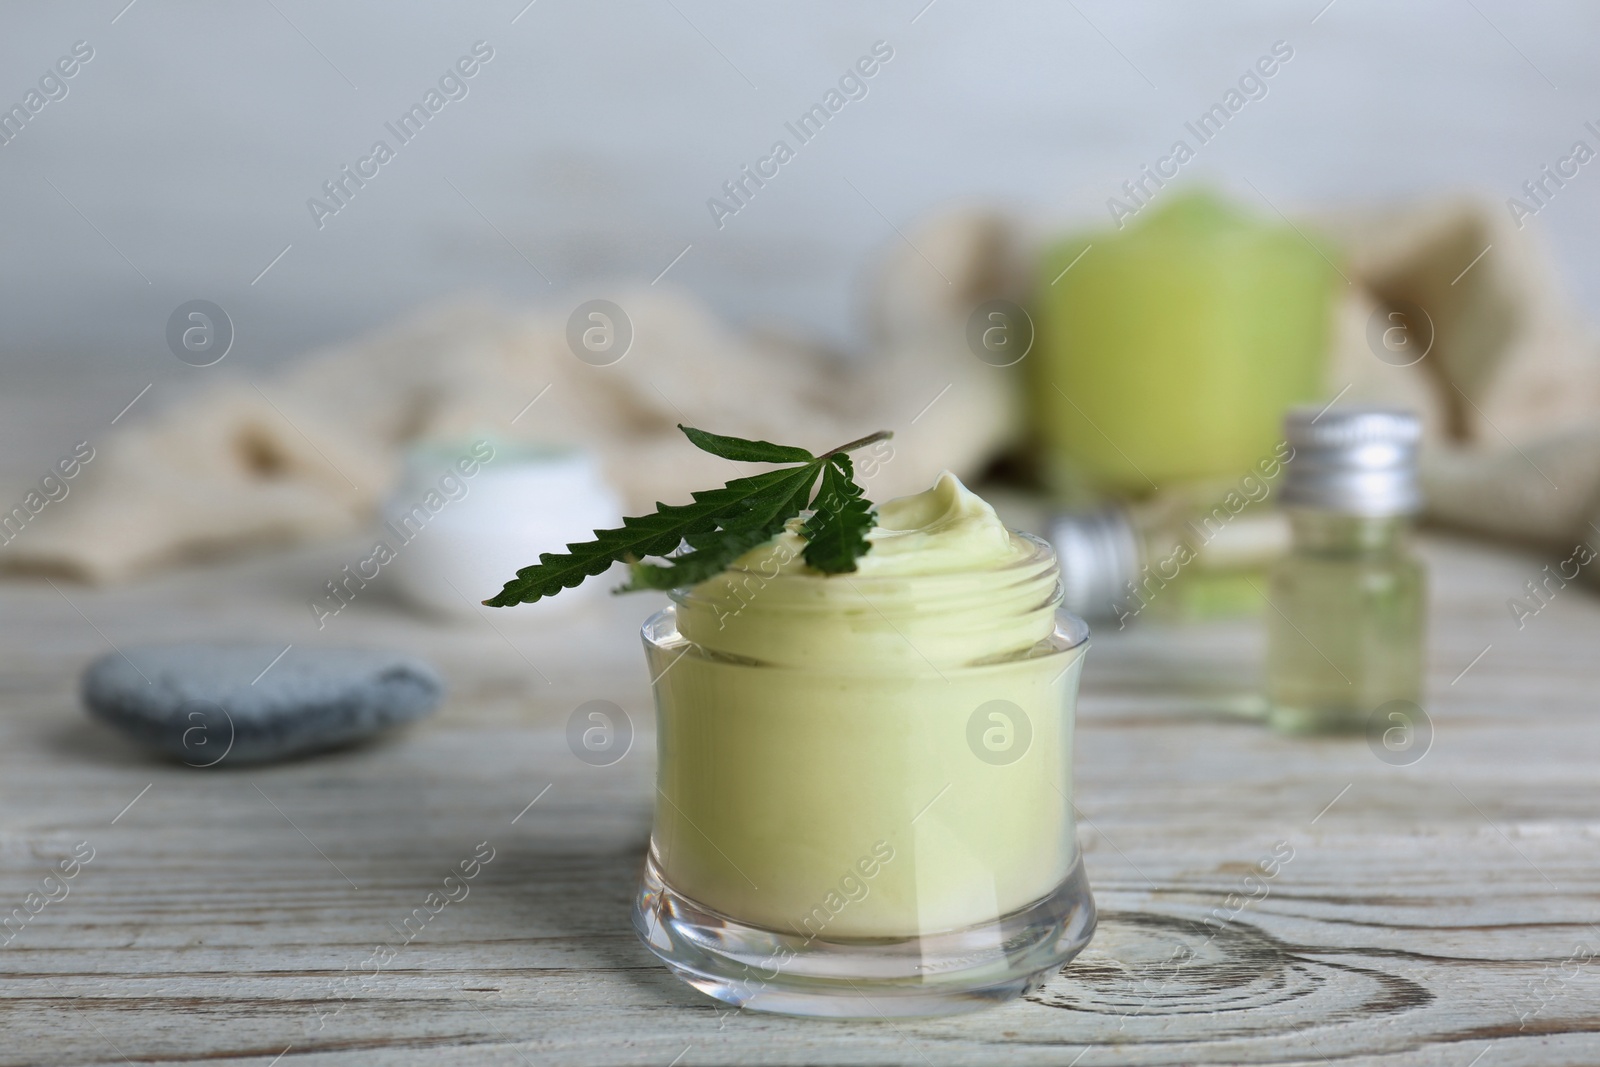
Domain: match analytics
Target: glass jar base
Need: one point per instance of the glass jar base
(1294, 719)
(946, 973)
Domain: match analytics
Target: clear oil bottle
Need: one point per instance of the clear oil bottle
(1191, 554)
(1347, 603)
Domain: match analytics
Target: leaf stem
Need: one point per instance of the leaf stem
(860, 442)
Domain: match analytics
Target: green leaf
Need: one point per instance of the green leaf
(720, 525)
(836, 532)
(650, 535)
(737, 448)
(762, 519)
(692, 568)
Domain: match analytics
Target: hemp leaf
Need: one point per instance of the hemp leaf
(699, 540)
(836, 532)
(746, 451)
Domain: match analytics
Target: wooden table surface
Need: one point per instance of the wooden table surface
(1443, 912)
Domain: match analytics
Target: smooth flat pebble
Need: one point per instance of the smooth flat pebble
(224, 704)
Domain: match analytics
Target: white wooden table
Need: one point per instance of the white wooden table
(1437, 913)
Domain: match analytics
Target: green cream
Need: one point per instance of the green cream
(832, 762)
(1169, 353)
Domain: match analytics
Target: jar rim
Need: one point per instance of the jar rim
(1071, 629)
(1042, 554)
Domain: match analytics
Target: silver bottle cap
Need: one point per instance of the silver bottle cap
(1098, 552)
(1358, 459)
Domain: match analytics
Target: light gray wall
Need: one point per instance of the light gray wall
(593, 139)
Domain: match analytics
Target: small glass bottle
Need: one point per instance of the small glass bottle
(1184, 555)
(1345, 625)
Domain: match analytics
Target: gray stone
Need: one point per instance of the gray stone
(211, 704)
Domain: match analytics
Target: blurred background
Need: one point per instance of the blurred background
(180, 163)
(1358, 183)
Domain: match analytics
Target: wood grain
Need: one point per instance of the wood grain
(1430, 913)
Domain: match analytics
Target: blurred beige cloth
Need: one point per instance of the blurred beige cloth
(1509, 390)
(311, 452)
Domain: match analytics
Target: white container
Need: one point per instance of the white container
(464, 519)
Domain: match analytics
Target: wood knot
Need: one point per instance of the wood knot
(1143, 965)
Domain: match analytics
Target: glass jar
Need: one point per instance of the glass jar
(1345, 633)
(864, 789)
(1169, 347)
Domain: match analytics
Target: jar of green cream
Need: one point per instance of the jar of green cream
(863, 804)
